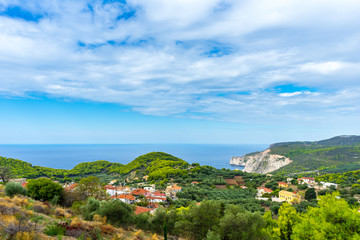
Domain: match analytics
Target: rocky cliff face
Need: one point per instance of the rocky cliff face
(262, 162)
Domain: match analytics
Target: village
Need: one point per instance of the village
(145, 199)
(294, 194)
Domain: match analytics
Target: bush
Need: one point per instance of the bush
(89, 209)
(41, 208)
(13, 188)
(44, 189)
(54, 229)
(116, 212)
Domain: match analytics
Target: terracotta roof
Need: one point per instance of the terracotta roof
(159, 194)
(194, 182)
(109, 187)
(175, 187)
(265, 189)
(124, 196)
(72, 186)
(243, 186)
(140, 191)
(282, 183)
(139, 210)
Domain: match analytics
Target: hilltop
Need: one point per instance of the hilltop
(337, 154)
(155, 164)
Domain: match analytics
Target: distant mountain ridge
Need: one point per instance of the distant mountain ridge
(342, 152)
(342, 140)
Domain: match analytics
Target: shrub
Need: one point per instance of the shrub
(117, 212)
(88, 210)
(54, 229)
(59, 213)
(44, 189)
(13, 188)
(41, 208)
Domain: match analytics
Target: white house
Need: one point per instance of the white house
(328, 184)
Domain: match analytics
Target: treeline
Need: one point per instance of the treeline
(332, 219)
(21, 168)
(347, 178)
(316, 157)
(156, 165)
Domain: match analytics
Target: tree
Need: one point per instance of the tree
(91, 187)
(286, 222)
(116, 212)
(89, 209)
(310, 194)
(44, 189)
(13, 188)
(333, 219)
(239, 224)
(5, 173)
(196, 221)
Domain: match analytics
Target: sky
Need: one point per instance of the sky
(179, 71)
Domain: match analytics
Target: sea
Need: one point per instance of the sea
(66, 156)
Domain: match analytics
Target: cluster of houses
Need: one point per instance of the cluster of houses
(293, 196)
(130, 195)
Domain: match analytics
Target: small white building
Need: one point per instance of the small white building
(150, 189)
(328, 184)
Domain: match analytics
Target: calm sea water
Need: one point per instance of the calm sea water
(66, 156)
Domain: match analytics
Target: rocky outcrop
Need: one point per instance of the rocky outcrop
(262, 162)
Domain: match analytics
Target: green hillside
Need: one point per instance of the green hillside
(155, 164)
(337, 154)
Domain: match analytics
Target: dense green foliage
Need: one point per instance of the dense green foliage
(313, 157)
(244, 197)
(333, 219)
(310, 194)
(89, 209)
(209, 220)
(14, 188)
(44, 189)
(19, 168)
(24, 169)
(116, 212)
(157, 165)
(347, 178)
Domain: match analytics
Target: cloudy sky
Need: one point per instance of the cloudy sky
(179, 71)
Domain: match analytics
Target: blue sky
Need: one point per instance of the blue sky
(181, 71)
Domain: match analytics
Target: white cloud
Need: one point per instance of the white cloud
(158, 61)
(292, 94)
(322, 68)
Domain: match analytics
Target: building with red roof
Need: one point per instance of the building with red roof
(262, 190)
(140, 210)
(126, 198)
(140, 191)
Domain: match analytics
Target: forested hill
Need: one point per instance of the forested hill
(344, 140)
(155, 164)
(336, 154)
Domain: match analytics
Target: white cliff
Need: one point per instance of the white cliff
(262, 162)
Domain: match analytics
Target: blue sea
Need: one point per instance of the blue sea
(66, 156)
